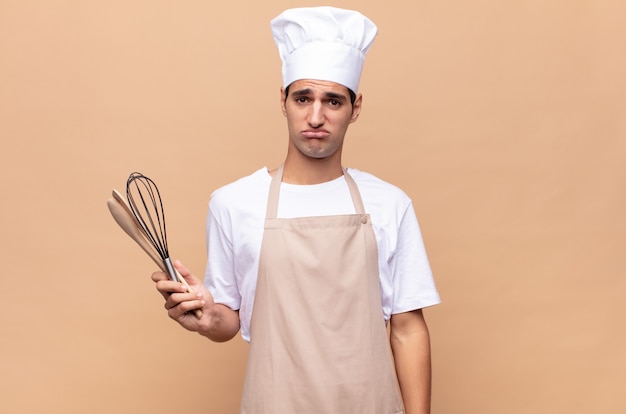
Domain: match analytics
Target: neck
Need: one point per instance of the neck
(306, 171)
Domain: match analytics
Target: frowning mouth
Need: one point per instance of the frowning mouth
(315, 134)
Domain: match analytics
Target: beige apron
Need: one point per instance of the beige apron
(318, 337)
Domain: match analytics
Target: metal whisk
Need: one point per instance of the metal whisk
(145, 203)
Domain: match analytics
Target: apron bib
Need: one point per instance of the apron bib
(318, 337)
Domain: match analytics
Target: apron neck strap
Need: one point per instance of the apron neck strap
(272, 201)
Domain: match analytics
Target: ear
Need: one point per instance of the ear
(356, 108)
(283, 98)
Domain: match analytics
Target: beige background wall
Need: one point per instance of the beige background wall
(503, 120)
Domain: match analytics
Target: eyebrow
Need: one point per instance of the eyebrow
(329, 95)
(336, 96)
(301, 92)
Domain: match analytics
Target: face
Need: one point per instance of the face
(318, 115)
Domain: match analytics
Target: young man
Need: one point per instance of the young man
(310, 260)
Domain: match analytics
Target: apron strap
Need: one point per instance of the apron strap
(354, 193)
(272, 201)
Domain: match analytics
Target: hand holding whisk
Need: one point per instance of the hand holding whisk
(143, 219)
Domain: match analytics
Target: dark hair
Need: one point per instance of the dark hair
(352, 94)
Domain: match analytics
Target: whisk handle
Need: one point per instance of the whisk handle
(170, 269)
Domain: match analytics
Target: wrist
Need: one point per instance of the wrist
(219, 324)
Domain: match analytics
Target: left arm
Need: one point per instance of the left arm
(410, 343)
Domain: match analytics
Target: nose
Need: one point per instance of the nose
(316, 115)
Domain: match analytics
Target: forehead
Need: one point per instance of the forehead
(318, 86)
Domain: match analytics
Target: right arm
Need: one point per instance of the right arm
(219, 323)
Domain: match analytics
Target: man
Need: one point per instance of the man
(311, 259)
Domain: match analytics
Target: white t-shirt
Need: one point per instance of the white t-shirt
(235, 230)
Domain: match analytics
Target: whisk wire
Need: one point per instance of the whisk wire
(148, 210)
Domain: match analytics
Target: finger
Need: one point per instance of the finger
(181, 268)
(160, 278)
(159, 275)
(185, 309)
(177, 299)
(184, 272)
(168, 287)
(194, 284)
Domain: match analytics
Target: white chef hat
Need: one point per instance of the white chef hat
(323, 43)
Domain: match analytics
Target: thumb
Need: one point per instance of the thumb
(187, 277)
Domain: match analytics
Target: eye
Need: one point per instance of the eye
(334, 102)
(301, 99)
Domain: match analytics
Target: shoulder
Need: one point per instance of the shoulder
(242, 188)
(245, 193)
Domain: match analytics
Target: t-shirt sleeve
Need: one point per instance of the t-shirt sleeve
(413, 283)
(220, 276)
